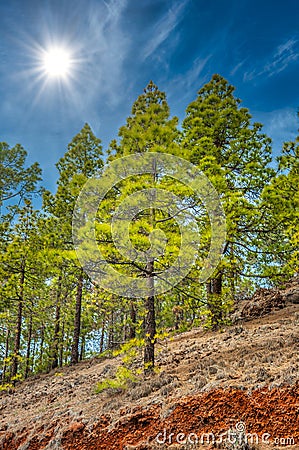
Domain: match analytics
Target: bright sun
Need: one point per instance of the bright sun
(57, 62)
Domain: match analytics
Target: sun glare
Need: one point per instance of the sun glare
(57, 62)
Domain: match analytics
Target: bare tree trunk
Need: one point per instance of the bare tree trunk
(82, 349)
(214, 302)
(28, 352)
(133, 316)
(6, 351)
(102, 336)
(77, 321)
(111, 332)
(42, 339)
(54, 356)
(61, 346)
(150, 319)
(150, 323)
(33, 351)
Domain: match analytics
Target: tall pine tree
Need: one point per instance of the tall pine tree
(81, 161)
(148, 129)
(234, 153)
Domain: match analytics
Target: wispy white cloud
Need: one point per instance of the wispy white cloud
(191, 80)
(162, 30)
(280, 124)
(100, 76)
(106, 47)
(192, 76)
(282, 120)
(237, 67)
(282, 57)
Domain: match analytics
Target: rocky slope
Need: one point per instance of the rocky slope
(210, 386)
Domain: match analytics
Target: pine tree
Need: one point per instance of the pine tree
(148, 129)
(16, 180)
(81, 161)
(235, 155)
(280, 209)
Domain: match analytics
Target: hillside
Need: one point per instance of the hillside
(247, 375)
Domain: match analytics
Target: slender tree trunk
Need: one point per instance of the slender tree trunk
(132, 330)
(55, 348)
(28, 351)
(150, 323)
(42, 340)
(102, 337)
(17, 343)
(82, 349)
(61, 346)
(77, 321)
(150, 319)
(33, 351)
(214, 302)
(233, 273)
(6, 351)
(111, 332)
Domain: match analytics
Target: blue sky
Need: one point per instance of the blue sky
(117, 46)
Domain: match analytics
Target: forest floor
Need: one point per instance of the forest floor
(244, 378)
